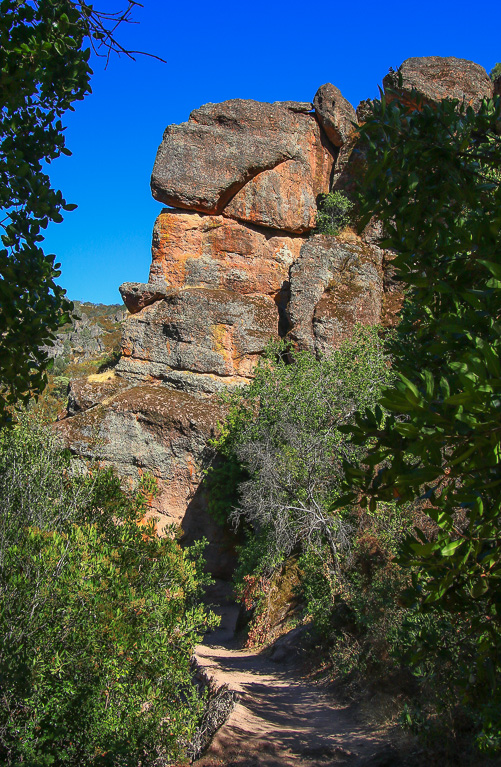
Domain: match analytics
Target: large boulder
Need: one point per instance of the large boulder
(150, 428)
(204, 163)
(198, 334)
(283, 198)
(438, 77)
(336, 283)
(334, 113)
(198, 251)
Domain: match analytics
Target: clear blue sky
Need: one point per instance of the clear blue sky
(269, 51)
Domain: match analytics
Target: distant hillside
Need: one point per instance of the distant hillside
(89, 344)
(90, 341)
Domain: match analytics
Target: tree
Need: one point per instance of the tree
(495, 71)
(284, 431)
(433, 178)
(334, 213)
(98, 616)
(44, 69)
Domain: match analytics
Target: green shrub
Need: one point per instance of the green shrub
(334, 213)
(59, 366)
(110, 360)
(281, 450)
(98, 616)
(440, 445)
(60, 386)
(495, 71)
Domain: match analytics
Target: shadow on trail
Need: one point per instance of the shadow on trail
(280, 719)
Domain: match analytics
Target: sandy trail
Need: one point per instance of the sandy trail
(281, 719)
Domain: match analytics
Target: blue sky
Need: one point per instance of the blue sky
(268, 51)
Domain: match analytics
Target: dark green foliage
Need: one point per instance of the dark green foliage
(43, 71)
(223, 479)
(495, 71)
(334, 213)
(441, 444)
(98, 617)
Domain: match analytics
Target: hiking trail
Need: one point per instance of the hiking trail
(281, 718)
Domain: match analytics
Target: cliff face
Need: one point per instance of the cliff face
(235, 263)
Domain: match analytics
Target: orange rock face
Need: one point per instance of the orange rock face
(202, 164)
(285, 197)
(191, 250)
(441, 77)
(198, 331)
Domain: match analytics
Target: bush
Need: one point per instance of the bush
(60, 386)
(372, 640)
(110, 360)
(495, 71)
(292, 446)
(98, 616)
(333, 213)
(282, 450)
(59, 365)
(440, 445)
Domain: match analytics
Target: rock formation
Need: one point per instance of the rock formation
(235, 263)
(437, 78)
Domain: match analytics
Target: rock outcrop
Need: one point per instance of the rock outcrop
(438, 77)
(336, 283)
(335, 114)
(197, 251)
(235, 263)
(253, 156)
(202, 331)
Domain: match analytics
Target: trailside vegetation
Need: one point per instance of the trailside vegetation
(98, 616)
(440, 445)
(281, 450)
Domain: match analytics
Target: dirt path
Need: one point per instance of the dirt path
(281, 719)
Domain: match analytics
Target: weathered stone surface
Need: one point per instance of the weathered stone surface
(137, 295)
(334, 113)
(152, 429)
(350, 169)
(282, 198)
(88, 391)
(194, 250)
(336, 283)
(199, 331)
(205, 162)
(364, 110)
(285, 197)
(438, 77)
